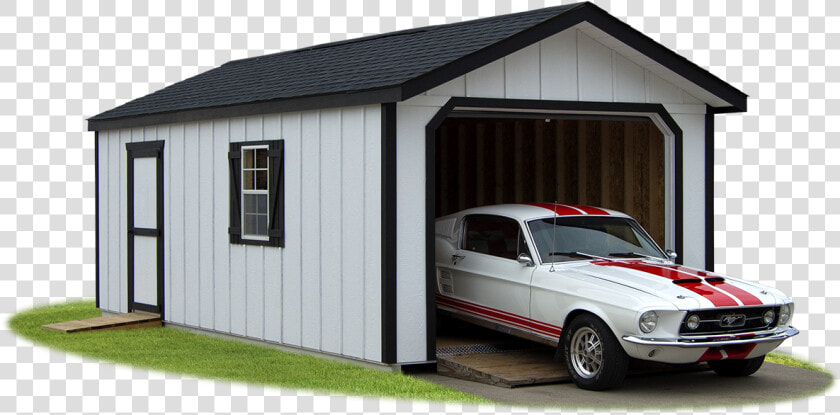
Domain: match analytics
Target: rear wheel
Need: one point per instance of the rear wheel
(594, 357)
(736, 367)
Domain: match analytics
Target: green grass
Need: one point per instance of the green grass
(789, 360)
(172, 350)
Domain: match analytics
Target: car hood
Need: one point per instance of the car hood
(687, 288)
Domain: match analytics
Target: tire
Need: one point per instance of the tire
(736, 367)
(594, 357)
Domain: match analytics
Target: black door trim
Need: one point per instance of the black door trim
(141, 150)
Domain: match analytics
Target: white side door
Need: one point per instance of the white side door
(145, 226)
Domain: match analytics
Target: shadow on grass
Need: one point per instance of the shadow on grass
(172, 350)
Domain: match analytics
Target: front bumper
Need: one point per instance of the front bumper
(703, 348)
(716, 341)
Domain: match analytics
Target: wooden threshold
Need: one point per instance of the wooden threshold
(113, 322)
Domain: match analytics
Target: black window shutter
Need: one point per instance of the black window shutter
(235, 162)
(275, 193)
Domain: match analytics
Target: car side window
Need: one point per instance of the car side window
(493, 235)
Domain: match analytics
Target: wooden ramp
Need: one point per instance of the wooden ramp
(529, 366)
(507, 369)
(112, 322)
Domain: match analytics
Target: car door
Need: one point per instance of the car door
(485, 270)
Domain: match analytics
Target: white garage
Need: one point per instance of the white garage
(290, 198)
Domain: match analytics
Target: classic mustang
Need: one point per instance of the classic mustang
(594, 283)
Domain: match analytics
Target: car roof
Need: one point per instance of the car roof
(529, 211)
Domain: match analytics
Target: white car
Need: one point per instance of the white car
(594, 283)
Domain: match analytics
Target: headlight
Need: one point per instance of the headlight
(647, 323)
(784, 314)
(692, 322)
(769, 316)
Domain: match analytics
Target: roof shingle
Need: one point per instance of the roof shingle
(363, 64)
(383, 68)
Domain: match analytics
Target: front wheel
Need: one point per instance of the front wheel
(736, 367)
(594, 357)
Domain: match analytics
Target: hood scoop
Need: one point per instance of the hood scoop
(697, 280)
(687, 281)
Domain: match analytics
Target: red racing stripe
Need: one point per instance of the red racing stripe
(740, 351)
(743, 296)
(560, 210)
(717, 298)
(545, 329)
(591, 210)
(710, 354)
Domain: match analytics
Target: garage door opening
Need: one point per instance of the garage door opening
(614, 163)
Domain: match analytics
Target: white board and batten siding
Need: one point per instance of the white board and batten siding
(569, 66)
(321, 291)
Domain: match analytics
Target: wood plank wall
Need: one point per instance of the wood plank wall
(613, 164)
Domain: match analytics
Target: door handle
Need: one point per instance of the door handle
(456, 257)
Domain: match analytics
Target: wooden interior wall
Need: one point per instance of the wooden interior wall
(613, 164)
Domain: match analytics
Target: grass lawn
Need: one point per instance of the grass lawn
(178, 351)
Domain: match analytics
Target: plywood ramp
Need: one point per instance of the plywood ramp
(527, 366)
(506, 369)
(112, 322)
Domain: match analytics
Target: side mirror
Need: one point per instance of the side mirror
(525, 259)
(671, 254)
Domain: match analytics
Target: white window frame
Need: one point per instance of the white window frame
(244, 192)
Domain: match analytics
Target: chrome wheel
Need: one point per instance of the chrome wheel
(587, 353)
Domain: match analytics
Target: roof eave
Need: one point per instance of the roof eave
(348, 99)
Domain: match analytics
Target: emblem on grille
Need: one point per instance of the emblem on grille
(733, 320)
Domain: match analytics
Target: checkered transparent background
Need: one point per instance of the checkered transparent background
(777, 187)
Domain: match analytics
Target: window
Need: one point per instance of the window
(256, 192)
(494, 235)
(557, 238)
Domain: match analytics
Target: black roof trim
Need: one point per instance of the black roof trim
(245, 110)
(391, 84)
(667, 57)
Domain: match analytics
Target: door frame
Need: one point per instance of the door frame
(133, 151)
(507, 108)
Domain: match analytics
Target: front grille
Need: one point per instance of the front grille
(714, 321)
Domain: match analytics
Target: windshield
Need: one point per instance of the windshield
(579, 237)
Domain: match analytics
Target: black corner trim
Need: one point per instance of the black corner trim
(388, 313)
(138, 150)
(431, 313)
(518, 105)
(710, 188)
(96, 208)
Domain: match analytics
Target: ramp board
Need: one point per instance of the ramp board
(511, 366)
(112, 322)
(505, 368)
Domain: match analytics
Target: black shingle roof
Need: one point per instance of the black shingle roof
(388, 67)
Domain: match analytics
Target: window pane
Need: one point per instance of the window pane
(250, 204)
(262, 158)
(262, 224)
(262, 204)
(248, 156)
(249, 180)
(262, 180)
(492, 235)
(250, 224)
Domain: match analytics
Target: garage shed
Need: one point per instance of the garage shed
(290, 198)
